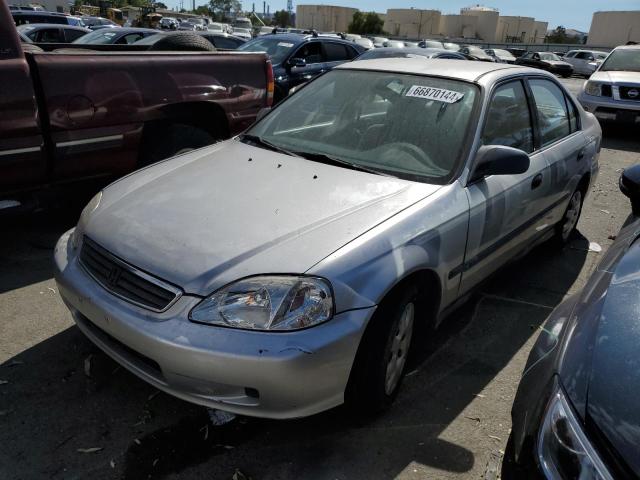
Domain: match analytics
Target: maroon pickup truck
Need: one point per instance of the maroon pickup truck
(77, 115)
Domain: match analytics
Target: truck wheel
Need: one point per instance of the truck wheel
(159, 144)
(379, 365)
(183, 42)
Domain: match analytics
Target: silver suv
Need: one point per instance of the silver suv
(613, 91)
(584, 62)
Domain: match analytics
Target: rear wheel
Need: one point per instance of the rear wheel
(382, 357)
(567, 226)
(161, 143)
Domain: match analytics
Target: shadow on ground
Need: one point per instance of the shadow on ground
(64, 395)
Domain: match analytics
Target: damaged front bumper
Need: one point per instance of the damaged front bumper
(264, 374)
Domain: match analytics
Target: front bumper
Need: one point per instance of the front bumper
(264, 374)
(610, 109)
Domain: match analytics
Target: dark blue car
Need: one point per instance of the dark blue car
(298, 58)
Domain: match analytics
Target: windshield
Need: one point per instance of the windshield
(503, 53)
(625, 59)
(549, 56)
(97, 37)
(407, 126)
(277, 48)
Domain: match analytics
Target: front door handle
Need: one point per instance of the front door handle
(536, 182)
(581, 154)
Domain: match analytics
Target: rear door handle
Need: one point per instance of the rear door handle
(536, 182)
(581, 154)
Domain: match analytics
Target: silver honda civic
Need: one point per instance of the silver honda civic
(291, 269)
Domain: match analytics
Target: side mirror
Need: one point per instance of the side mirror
(591, 58)
(630, 186)
(499, 160)
(262, 112)
(297, 62)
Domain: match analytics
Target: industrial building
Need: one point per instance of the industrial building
(412, 23)
(458, 26)
(610, 29)
(326, 18)
(49, 5)
(487, 26)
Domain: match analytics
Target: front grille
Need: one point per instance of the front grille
(124, 280)
(630, 93)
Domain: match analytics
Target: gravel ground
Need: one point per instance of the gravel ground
(450, 420)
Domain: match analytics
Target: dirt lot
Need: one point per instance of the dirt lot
(451, 419)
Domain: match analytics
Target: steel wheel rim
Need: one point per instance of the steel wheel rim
(571, 215)
(400, 342)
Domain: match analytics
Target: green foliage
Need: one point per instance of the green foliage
(202, 10)
(161, 5)
(281, 18)
(224, 10)
(366, 23)
(559, 35)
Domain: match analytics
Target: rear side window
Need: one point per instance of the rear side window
(570, 55)
(551, 108)
(48, 35)
(508, 118)
(72, 35)
(222, 42)
(584, 56)
(311, 52)
(336, 52)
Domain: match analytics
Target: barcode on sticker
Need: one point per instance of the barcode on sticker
(432, 93)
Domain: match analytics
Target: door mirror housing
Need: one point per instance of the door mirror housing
(499, 160)
(630, 186)
(297, 62)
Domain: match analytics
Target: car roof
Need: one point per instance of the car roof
(455, 69)
(42, 26)
(628, 47)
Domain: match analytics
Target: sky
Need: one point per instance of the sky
(569, 13)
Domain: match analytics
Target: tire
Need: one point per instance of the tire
(565, 75)
(161, 143)
(565, 228)
(183, 42)
(379, 366)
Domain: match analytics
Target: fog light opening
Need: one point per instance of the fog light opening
(251, 392)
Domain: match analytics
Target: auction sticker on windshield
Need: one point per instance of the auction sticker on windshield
(432, 93)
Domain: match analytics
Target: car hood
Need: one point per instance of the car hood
(616, 77)
(557, 63)
(207, 218)
(600, 368)
(614, 386)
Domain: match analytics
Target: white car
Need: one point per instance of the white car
(613, 91)
(242, 33)
(584, 62)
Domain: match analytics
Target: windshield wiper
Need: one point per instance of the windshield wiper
(268, 145)
(329, 160)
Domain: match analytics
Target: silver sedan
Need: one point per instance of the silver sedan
(293, 268)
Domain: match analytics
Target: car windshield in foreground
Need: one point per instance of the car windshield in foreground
(277, 48)
(622, 60)
(549, 56)
(408, 126)
(98, 37)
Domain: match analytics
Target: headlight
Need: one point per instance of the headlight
(77, 234)
(270, 302)
(593, 88)
(564, 451)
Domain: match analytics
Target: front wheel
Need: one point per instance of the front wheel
(382, 357)
(567, 226)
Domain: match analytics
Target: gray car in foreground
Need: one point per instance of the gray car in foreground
(291, 269)
(576, 413)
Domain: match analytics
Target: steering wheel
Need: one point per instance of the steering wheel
(415, 152)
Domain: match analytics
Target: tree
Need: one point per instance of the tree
(202, 10)
(366, 23)
(223, 9)
(559, 35)
(161, 5)
(281, 18)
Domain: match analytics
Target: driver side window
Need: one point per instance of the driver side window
(310, 52)
(508, 119)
